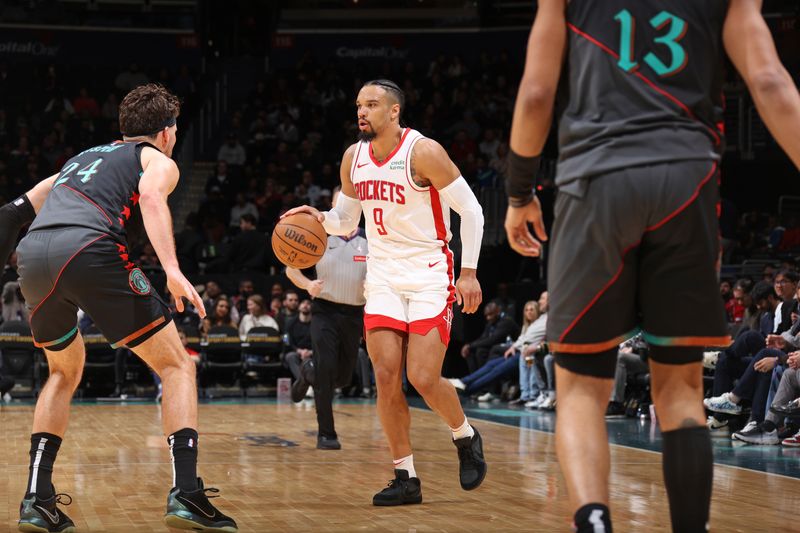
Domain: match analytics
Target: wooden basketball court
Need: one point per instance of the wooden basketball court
(115, 464)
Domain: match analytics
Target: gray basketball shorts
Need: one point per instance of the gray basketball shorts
(639, 251)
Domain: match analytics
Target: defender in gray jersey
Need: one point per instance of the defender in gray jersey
(75, 255)
(635, 241)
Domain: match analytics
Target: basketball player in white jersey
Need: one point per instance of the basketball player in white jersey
(406, 185)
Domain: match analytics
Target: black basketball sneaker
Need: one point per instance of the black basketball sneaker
(43, 516)
(192, 510)
(471, 464)
(402, 490)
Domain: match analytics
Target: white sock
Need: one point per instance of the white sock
(464, 430)
(407, 464)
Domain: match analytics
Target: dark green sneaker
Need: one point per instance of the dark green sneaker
(192, 510)
(42, 516)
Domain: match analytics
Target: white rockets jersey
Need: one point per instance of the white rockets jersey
(402, 219)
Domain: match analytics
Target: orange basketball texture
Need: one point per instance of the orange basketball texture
(299, 241)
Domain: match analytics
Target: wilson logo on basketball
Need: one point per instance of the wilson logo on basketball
(300, 239)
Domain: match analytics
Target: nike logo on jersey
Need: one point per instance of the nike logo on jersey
(362, 165)
(431, 265)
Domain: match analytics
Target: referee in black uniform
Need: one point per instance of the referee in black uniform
(337, 323)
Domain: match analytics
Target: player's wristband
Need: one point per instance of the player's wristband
(521, 179)
(13, 216)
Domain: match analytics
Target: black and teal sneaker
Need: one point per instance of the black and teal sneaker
(42, 516)
(192, 510)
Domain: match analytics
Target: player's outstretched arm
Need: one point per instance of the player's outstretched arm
(533, 116)
(157, 182)
(14, 215)
(346, 214)
(431, 163)
(749, 45)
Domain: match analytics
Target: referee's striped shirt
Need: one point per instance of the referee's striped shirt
(343, 268)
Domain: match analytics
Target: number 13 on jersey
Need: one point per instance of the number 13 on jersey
(676, 32)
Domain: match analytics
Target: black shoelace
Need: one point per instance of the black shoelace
(466, 456)
(393, 483)
(212, 490)
(59, 500)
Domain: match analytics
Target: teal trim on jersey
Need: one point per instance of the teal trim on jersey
(61, 339)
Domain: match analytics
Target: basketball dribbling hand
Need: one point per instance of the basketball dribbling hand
(306, 209)
(181, 288)
(468, 291)
(519, 236)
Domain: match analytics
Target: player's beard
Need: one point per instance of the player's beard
(366, 135)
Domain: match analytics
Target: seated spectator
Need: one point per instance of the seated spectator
(733, 361)
(786, 288)
(498, 368)
(781, 422)
(497, 329)
(547, 398)
(240, 208)
(754, 384)
(507, 303)
(489, 144)
(232, 152)
(210, 295)
(312, 190)
(221, 315)
(246, 290)
(275, 306)
(287, 132)
(189, 245)
(738, 306)
(298, 358)
(629, 362)
(531, 383)
(289, 309)
(256, 316)
(248, 249)
(223, 181)
(325, 203)
(14, 307)
(85, 105)
(276, 291)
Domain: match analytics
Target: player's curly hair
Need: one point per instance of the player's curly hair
(148, 109)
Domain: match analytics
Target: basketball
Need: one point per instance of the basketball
(299, 241)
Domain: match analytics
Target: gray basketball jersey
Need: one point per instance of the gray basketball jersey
(642, 86)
